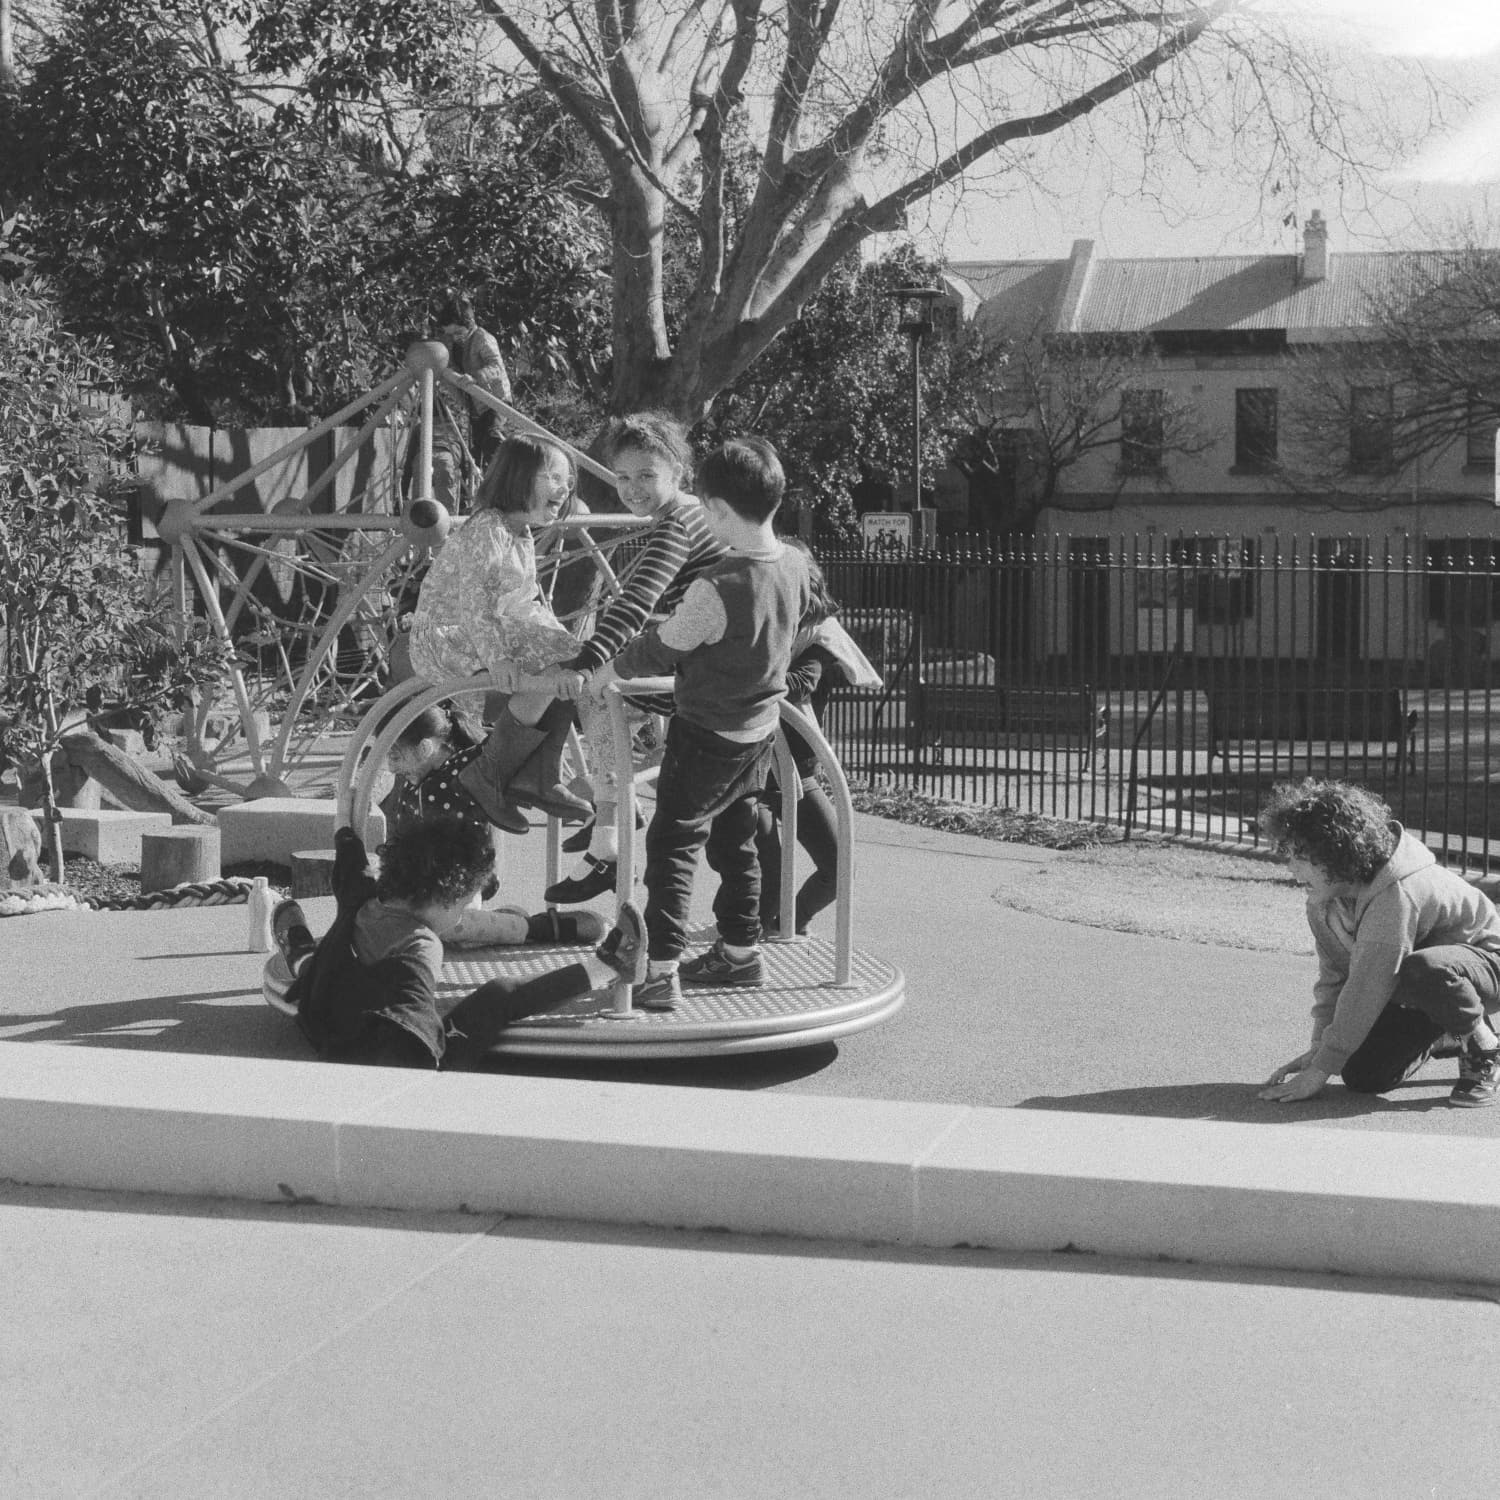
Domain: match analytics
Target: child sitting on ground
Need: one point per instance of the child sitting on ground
(1408, 952)
(823, 657)
(369, 991)
(480, 610)
(427, 759)
(729, 643)
(650, 456)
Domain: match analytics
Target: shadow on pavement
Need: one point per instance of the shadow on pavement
(215, 1022)
(1238, 1102)
(228, 1023)
(750, 1070)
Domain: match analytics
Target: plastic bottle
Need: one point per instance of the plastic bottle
(261, 906)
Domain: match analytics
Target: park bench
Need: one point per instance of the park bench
(1305, 713)
(1037, 718)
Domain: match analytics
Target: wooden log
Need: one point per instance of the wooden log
(131, 784)
(312, 872)
(176, 856)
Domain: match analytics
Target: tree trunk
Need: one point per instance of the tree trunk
(133, 786)
(10, 82)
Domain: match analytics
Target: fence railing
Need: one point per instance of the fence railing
(1165, 683)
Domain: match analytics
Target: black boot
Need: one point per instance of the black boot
(538, 783)
(506, 750)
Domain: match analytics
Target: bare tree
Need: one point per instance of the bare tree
(859, 111)
(1419, 374)
(1065, 396)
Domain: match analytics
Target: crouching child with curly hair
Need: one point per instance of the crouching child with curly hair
(1408, 952)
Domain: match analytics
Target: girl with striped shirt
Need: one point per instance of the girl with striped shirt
(651, 459)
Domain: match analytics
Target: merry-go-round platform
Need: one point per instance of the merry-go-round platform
(815, 990)
(798, 1006)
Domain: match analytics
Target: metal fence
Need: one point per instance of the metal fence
(1164, 683)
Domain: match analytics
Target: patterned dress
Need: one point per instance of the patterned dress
(480, 607)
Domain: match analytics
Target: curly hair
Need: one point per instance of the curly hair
(1343, 829)
(436, 860)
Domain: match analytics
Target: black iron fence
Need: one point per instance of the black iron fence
(1165, 683)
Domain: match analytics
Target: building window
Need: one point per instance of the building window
(1463, 583)
(1255, 428)
(1371, 420)
(1216, 577)
(1479, 433)
(1142, 430)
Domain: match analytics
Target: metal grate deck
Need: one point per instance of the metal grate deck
(798, 1006)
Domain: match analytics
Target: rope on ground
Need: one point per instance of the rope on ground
(14, 904)
(231, 891)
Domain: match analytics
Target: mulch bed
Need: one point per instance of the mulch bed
(88, 880)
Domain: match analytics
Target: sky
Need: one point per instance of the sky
(1452, 178)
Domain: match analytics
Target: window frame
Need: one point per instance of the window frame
(1143, 413)
(1372, 433)
(1251, 457)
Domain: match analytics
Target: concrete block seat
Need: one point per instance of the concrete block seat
(274, 828)
(104, 834)
(815, 990)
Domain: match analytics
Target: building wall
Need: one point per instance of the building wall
(1295, 610)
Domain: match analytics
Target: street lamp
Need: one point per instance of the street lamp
(915, 323)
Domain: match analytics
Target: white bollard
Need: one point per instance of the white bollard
(261, 906)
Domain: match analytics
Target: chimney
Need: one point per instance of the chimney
(1070, 301)
(1315, 247)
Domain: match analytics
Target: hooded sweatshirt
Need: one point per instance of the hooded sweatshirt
(1363, 938)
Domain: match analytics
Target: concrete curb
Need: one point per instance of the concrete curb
(1291, 1198)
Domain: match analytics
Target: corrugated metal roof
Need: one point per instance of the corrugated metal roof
(1015, 296)
(1205, 293)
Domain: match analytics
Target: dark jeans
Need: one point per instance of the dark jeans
(473, 1022)
(707, 795)
(818, 833)
(1439, 991)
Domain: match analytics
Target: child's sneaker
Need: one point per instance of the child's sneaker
(1478, 1079)
(624, 946)
(290, 932)
(276, 981)
(715, 966)
(658, 992)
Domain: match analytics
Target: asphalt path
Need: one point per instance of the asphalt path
(1004, 1008)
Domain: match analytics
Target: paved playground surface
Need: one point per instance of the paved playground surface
(181, 1349)
(1004, 1008)
(172, 1347)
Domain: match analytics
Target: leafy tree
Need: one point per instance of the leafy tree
(858, 111)
(82, 625)
(836, 399)
(253, 245)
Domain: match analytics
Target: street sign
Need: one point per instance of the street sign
(886, 532)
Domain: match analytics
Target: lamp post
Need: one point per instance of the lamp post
(915, 324)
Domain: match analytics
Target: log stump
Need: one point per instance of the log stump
(177, 856)
(20, 850)
(312, 873)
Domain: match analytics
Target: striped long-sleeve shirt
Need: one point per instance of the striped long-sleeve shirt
(677, 548)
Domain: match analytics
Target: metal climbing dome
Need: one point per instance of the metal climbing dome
(356, 565)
